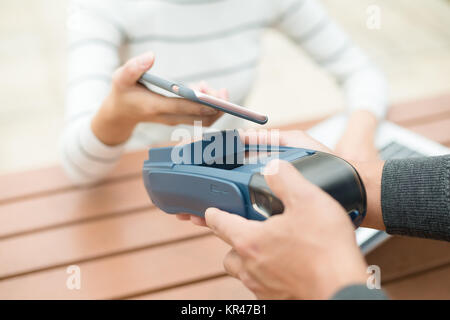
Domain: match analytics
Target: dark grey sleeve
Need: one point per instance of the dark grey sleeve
(359, 292)
(415, 197)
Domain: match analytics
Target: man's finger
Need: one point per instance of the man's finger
(227, 226)
(199, 221)
(289, 185)
(233, 263)
(193, 218)
(133, 69)
(183, 216)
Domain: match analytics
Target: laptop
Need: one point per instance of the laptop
(393, 142)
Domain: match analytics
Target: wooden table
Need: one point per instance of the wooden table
(126, 248)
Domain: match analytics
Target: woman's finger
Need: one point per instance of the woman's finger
(167, 105)
(223, 94)
(174, 119)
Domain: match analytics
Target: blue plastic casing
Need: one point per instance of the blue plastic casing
(177, 181)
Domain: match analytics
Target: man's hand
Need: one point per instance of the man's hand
(129, 103)
(308, 252)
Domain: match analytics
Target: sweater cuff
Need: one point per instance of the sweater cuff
(415, 197)
(359, 292)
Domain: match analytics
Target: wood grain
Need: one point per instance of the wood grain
(401, 256)
(438, 130)
(94, 240)
(432, 284)
(222, 288)
(420, 111)
(59, 209)
(127, 275)
(40, 182)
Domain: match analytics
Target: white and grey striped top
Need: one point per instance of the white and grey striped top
(218, 41)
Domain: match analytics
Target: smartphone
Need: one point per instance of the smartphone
(202, 98)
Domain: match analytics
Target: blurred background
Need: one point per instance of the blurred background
(412, 47)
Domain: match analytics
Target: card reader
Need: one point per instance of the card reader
(220, 171)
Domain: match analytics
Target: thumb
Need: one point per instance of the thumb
(290, 186)
(133, 69)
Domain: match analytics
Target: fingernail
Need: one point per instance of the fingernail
(144, 62)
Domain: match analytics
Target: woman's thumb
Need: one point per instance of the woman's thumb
(133, 69)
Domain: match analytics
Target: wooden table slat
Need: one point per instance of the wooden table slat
(434, 284)
(95, 240)
(404, 255)
(222, 288)
(438, 131)
(420, 111)
(126, 275)
(38, 182)
(74, 206)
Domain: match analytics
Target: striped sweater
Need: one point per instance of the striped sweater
(218, 41)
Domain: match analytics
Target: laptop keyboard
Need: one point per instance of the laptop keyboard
(395, 150)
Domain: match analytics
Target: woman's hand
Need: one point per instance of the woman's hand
(308, 252)
(130, 103)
